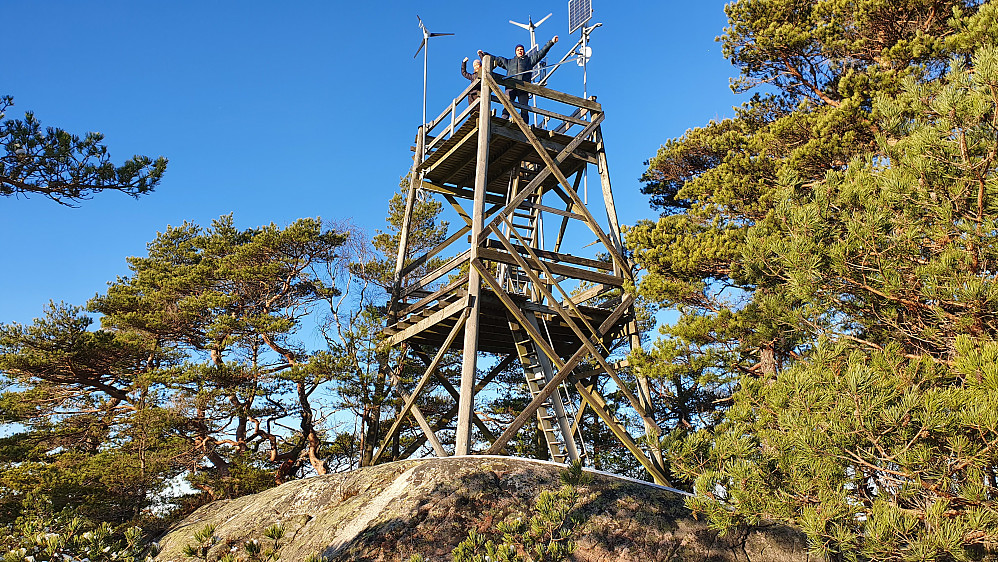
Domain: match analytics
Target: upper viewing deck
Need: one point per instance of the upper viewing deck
(448, 158)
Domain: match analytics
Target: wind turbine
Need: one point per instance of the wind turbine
(422, 44)
(531, 26)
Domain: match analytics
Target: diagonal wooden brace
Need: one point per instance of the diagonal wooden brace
(564, 370)
(553, 167)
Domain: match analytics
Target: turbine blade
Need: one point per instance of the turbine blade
(421, 43)
(542, 20)
(440, 34)
(523, 25)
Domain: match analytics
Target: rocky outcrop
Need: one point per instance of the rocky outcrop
(427, 506)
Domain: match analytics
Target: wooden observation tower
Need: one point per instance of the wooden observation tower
(508, 289)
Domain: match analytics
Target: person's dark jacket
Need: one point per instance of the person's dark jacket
(520, 67)
(476, 93)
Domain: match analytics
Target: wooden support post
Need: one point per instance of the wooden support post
(466, 402)
(611, 210)
(410, 201)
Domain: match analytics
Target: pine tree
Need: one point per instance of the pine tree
(198, 369)
(65, 167)
(831, 252)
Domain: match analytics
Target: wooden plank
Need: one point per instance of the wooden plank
(437, 161)
(437, 273)
(556, 268)
(425, 323)
(546, 93)
(547, 113)
(455, 125)
(474, 83)
(589, 293)
(440, 247)
(553, 211)
(460, 192)
(548, 254)
(435, 295)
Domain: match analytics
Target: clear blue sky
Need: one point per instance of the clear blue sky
(275, 111)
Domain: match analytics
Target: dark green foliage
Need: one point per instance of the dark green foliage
(543, 537)
(41, 535)
(64, 167)
(834, 273)
(198, 371)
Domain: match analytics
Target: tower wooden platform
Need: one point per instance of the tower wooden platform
(506, 287)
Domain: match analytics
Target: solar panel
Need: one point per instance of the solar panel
(540, 69)
(579, 12)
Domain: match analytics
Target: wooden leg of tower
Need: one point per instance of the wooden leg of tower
(466, 402)
(644, 391)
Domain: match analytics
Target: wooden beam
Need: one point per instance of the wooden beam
(466, 402)
(460, 192)
(611, 209)
(566, 213)
(513, 134)
(621, 433)
(546, 93)
(556, 268)
(548, 254)
(403, 249)
(569, 204)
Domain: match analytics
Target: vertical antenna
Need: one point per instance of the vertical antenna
(422, 44)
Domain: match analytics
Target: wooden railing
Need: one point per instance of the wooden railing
(566, 110)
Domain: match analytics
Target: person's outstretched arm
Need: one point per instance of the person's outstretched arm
(464, 70)
(500, 61)
(543, 51)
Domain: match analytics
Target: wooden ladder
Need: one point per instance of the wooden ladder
(525, 221)
(552, 419)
